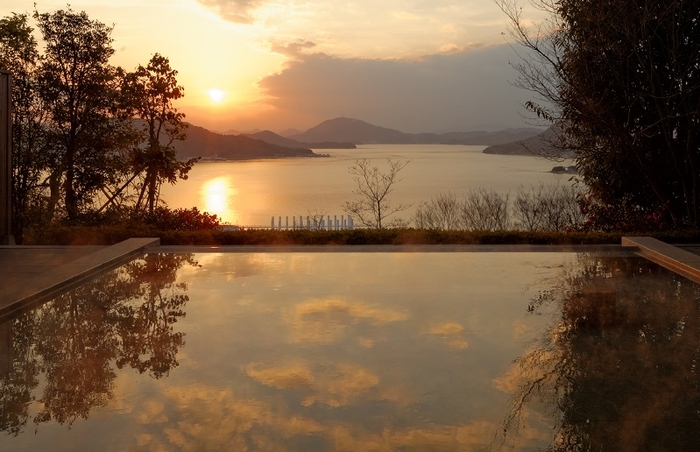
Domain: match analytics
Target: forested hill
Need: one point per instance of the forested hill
(271, 137)
(545, 144)
(203, 143)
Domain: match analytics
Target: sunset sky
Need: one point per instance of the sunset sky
(417, 66)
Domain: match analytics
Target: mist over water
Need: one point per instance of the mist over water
(249, 193)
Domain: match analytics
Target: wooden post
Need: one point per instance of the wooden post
(6, 354)
(5, 159)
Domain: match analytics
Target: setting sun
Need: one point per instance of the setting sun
(216, 95)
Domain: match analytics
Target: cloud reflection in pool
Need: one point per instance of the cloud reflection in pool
(335, 351)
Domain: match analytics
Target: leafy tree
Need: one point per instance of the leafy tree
(78, 85)
(373, 187)
(149, 93)
(623, 79)
(19, 55)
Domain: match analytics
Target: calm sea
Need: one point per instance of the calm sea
(249, 193)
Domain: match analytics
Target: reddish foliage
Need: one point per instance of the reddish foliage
(192, 219)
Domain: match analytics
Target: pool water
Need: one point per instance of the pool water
(359, 352)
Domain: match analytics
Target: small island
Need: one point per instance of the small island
(571, 169)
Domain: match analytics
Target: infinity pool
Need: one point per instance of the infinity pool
(359, 352)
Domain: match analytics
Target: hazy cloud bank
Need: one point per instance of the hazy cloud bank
(464, 88)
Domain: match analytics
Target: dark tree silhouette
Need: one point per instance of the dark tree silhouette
(19, 55)
(616, 369)
(79, 88)
(86, 132)
(623, 80)
(149, 93)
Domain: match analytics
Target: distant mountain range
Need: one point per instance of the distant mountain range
(360, 132)
(338, 133)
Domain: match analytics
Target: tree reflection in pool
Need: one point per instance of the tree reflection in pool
(359, 351)
(75, 342)
(617, 368)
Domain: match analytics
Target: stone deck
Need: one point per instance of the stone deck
(682, 260)
(32, 274)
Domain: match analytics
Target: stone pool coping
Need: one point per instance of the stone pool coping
(33, 274)
(674, 258)
(386, 248)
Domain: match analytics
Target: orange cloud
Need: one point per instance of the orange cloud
(291, 376)
(292, 49)
(471, 436)
(217, 419)
(539, 364)
(337, 385)
(345, 385)
(326, 321)
(213, 419)
(239, 11)
(451, 332)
